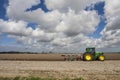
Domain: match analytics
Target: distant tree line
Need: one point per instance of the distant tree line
(15, 52)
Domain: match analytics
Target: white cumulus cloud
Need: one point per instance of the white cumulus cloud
(84, 22)
(63, 5)
(15, 28)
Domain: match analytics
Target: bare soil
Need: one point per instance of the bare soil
(92, 70)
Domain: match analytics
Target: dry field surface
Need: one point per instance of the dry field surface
(92, 70)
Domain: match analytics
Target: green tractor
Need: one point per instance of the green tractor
(91, 55)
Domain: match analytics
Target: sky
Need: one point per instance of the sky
(59, 25)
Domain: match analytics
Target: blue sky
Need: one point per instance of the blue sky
(6, 40)
(99, 7)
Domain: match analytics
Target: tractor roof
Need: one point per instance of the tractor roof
(90, 47)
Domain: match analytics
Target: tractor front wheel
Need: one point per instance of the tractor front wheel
(87, 57)
(101, 57)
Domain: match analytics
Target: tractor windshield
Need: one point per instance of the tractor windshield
(90, 50)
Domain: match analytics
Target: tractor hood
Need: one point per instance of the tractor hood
(99, 52)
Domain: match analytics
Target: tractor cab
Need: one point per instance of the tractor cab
(90, 50)
(91, 54)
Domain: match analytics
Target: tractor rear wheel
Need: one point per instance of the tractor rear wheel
(101, 57)
(87, 57)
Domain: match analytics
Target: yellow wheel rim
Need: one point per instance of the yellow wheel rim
(88, 57)
(101, 57)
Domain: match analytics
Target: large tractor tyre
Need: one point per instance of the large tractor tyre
(101, 57)
(87, 57)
